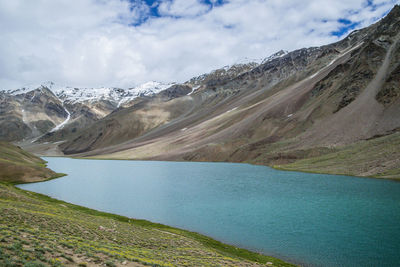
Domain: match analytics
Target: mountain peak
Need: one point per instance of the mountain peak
(278, 54)
(395, 9)
(393, 16)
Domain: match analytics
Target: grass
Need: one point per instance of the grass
(17, 165)
(37, 230)
(378, 157)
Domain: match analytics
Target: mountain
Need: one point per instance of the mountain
(332, 109)
(30, 113)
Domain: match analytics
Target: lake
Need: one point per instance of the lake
(309, 219)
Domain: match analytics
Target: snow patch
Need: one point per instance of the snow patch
(276, 55)
(24, 117)
(61, 125)
(146, 89)
(231, 110)
(194, 89)
(33, 96)
(334, 60)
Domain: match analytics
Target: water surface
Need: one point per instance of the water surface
(310, 219)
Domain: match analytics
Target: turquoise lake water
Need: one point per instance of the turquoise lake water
(309, 219)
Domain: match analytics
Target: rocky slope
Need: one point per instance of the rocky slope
(306, 104)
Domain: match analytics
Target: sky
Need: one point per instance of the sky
(123, 43)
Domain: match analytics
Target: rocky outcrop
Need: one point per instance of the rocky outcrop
(175, 91)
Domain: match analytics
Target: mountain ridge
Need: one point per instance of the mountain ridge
(82, 94)
(72, 106)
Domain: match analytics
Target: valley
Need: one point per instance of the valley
(291, 109)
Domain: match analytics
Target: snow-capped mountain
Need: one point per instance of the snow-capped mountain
(258, 61)
(33, 111)
(146, 89)
(116, 95)
(278, 54)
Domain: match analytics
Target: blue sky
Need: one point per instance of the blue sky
(127, 42)
(153, 8)
(345, 25)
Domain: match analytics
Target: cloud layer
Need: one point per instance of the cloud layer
(121, 43)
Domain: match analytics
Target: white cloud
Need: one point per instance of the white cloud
(183, 8)
(93, 42)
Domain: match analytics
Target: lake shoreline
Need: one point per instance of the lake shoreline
(219, 246)
(302, 165)
(275, 167)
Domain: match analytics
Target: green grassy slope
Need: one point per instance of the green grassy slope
(378, 157)
(35, 229)
(17, 165)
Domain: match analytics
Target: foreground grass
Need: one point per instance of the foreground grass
(36, 230)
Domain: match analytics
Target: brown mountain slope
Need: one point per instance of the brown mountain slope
(211, 100)
(127, 124)
(17, 165)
